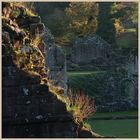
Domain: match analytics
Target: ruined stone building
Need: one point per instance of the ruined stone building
(91, 51)
(29, 109)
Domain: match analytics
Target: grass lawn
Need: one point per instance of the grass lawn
(127, 128)
(84, 80)
(118, 128)
(128, 39)
(83, 73)
(122, 128)
(116, 114)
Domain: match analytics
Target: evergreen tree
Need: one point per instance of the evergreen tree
(106, 27)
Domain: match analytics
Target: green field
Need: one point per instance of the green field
(125, 128)
(117, 128)
(83, 73)
(115, 114)
(128, 39)
(84, 80)
(93, 83)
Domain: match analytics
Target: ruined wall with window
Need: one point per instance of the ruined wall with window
(29, 109)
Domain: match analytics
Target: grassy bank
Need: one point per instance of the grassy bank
(83, 73)
(128, 39)
(127, 128)
(95, 83)
(85, 80)
(117, 128)
(115, 114)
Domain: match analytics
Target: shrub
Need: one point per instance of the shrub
(80, 105)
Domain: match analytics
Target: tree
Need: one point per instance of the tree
(106, 27)
(57, 23)
(54, 17)
(127, 15)
(82, 17)
(126, 11)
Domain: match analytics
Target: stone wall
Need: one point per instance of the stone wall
(111, 90)
(89, 52)
(29, 109)
(116, 91)
(131, 66)
(114, 88)
(55, 63)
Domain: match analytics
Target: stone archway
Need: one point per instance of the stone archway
(130, 90)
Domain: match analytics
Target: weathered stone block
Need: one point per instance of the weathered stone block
(17, 80)
(59, 107)
(8, 131)
(33, 19)
(9, 81)
(28, 79)
(21, 112)
(37, 28)
(66, 134)
(46, 109)
(85, 134)
(23, 100)
(5, 110)
(27, 20)
(35, 100)
(8, 71)
(40, 89)
(7, 60)
(10, 92)
(28, 106)
(44, 130)
(8, 112)
(6, 48)
(35, 130)
(10, 100)
(45, 100)
(33, 110)
(25, 90)
(60, 130)
(62, 126)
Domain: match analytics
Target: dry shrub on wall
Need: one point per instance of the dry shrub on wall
(80, 105)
